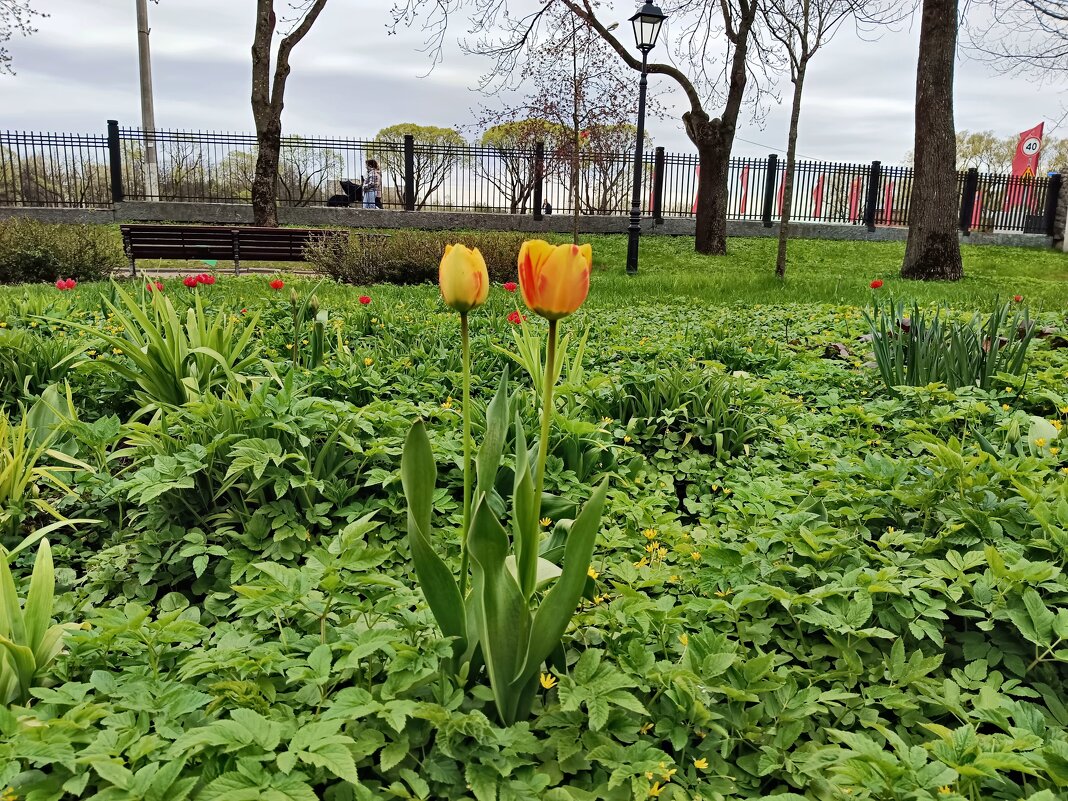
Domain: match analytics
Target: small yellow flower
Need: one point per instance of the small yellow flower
(1005, 407)
(649, 533)
(599, 599)
(944, 790)
(1057, 424)
(1063, 410)
(33, 324)
(1064, 470)
(545, 521)
(117, 351)
(548, 681)
(626, 439)
(643, 561)
(1054, 451)
(1040, 442)
(368, 362)
(90, 353)
(666, 773)
(593, 574)
(448, 403)
(606, 420)
(3, 325)
(684, 639)
(701, 764)
(652, 546)
(374, 321)
(655, 790)
(695, 555)
(1008, 389)
(646, 728)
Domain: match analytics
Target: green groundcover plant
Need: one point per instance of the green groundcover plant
(804, 585)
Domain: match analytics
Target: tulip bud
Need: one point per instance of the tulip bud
(463, 278)
(554, 279)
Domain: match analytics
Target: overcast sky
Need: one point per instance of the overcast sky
(350, 79)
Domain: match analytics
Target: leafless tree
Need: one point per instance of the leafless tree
(437, 153)
(268, 92)
(512, 144)
(16, 16)
(1022, 36)
(933, 249)
(801, 28)
(715, 39)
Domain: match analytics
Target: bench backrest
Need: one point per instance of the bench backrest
(219, 242)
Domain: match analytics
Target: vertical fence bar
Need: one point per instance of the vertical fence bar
(115, 162)
(539, 177)
(872, 198)
(658, 185)
(409, 172)
(967, 200)
(1053, 195)
(769, 188)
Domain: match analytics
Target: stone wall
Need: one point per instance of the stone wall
(1060, 218)
(316, 216)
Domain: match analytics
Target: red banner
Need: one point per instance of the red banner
(977, 211)
(888, 203)
(817, 198)
(1028, 149)
(854, 200)
(745, 190)
(782, 189)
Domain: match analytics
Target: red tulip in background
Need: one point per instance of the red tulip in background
(206, 279)
(1017, 298)
(71, 283)
(277, 283)
(516, 318)
(511, 286)
(190, 281)
(64, 284)
(364, 299)
(878, 282)
(61, 284)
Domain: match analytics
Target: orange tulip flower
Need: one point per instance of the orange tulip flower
(554, 279)
(463, 278)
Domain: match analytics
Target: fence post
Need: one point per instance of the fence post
(967, 200)
(874, 178)
(409, 172)
(658, 186)
(115, 162)
(539, 177)
(1053, 196)
(769, 188)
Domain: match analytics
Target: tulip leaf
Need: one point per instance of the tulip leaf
(11, 624)
(525, 526)
(500, 608)
(558, 608)
(418, 476)
(547, 571)
(489, 453)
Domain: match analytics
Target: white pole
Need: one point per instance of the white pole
(148, 117)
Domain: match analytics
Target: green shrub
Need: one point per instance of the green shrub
(937, 347)
(409, 257)
(32, 251)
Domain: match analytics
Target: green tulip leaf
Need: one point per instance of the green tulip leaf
(558, 608)
(489, 453)
(526, 529)
(418, 477)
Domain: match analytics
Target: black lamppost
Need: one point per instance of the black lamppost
(646, 24)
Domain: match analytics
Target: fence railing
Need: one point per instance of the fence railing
(88, 171)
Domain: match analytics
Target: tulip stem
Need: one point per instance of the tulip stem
(543, 452)
(465, 339)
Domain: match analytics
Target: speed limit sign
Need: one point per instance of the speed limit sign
(1032, 145)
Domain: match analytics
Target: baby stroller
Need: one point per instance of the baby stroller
(353, 194)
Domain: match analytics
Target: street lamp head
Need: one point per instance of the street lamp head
(647, 24)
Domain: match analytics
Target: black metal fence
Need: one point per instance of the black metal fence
(87, 171)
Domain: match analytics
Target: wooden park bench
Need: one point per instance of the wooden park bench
(207, 242)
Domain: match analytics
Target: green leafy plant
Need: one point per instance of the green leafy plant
(28, 644)
(927, 347)
(171, 361)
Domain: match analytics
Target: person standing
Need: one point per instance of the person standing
(372, 184)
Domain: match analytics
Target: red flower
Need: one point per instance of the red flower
(244, 311)
(511, 286)
(61, 284)
(277, 283)
(70, 283)
(204, 278)
(516, 318)
(878, 282)
(364, 299)
(1018, 298)
(190, 281)
(158, 286)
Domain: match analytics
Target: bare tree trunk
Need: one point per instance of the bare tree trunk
(713, 159)
(788, 180)
(267, 103)
(933, 249)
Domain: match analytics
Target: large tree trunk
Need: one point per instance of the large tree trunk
(788, 181)
(265, 182)
(933, 249)
(713, 159)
